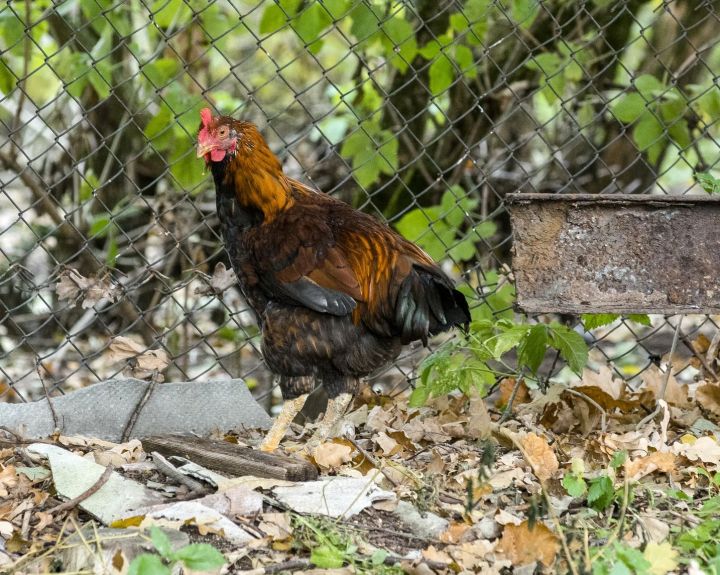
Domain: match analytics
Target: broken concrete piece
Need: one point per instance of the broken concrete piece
(206, 520)
(332, 496)
(102, 550)
(103, 410)
(426, 525)
(234, 502)
(73, 475)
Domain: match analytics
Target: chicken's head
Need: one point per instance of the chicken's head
(216, 137)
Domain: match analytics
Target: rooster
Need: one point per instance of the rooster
(335, 292)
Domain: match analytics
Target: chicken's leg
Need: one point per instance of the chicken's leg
(336, 408)
(290, 409)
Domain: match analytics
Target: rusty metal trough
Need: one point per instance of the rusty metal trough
(587, 253)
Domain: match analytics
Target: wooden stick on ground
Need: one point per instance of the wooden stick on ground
(71, 503)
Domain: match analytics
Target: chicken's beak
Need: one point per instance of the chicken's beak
(204, 148)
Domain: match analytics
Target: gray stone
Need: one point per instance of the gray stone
(102, 410)
(427, 525)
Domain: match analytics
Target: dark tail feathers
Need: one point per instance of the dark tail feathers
(428, 304)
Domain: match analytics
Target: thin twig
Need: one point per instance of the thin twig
(508, 407)
(700, 357)
(374, 462)
(673, 347)
(171, 471)
(70, 504)
(595, 404)
(130, 425)
(56, 421)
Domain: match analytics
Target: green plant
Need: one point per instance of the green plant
(708, 182)
(333, 546)
(438, 229)
(478, 358)
(196, 556)
(595, 320)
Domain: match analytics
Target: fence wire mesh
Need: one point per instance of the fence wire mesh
(424, 113)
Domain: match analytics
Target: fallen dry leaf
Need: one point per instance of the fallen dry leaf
(506, 388)
(387, 444)
(221, 280)
(675, 393)
(663, 461)
(523, 545)
(705, 449)
(434, 554)
(73, 286)
(708, 397)
(479, 424)
(542, 457)
(662, 557)
(331, 455)
(277, 526)
(8, 480)
(144, 362)
(470, 555)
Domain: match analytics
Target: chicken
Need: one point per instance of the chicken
(335, 292)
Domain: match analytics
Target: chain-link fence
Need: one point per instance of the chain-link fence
(425, 113)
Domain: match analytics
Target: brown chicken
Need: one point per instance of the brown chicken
(335, 291)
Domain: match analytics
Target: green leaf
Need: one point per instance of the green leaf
(618, 459)
(629, 107)
(465, 61)
(574, 485)
(600, 493)
(477, 14)
(649, 86)
(200, 557)
(571, 345)
(532, 349)
(310, 25)
(510, 338)
(161, 542)
(159, 129)
(641, 318)
(337, 8)
(147, 564)
(709, 103)
(99, 227)
(161, 71)
(365, 21)
(388, 153)
(648, 135)
(327, 556)
(524, 12)
(186, 169)
(7, 79)
(277, 15)
(378, 557)
(595, 320)
(167, 13)
(708, 182)
(419, 396)
(441, 75)
(399, 40)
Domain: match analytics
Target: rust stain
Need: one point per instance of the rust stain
(618, 254)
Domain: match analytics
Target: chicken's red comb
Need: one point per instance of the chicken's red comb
(206, 116)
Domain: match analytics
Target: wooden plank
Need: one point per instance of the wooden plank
(587, 253)
(231, 459)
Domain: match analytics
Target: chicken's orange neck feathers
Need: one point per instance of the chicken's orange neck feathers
(258, 177)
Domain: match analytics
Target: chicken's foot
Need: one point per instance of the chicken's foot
(290, 409)
(336, 408)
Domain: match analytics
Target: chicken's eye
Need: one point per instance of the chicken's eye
(223, 132)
